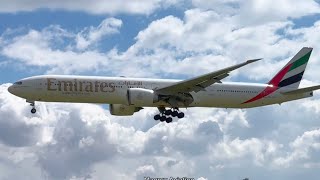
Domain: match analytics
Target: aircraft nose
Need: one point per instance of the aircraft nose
(11, 89)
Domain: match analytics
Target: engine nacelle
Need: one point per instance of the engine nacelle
(141, 97)
(123, 110)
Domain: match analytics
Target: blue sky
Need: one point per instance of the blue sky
(162, 39)
(74, 22)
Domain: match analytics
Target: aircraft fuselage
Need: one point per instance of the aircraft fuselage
(113, 90)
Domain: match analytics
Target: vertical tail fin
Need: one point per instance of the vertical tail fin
(291, 74)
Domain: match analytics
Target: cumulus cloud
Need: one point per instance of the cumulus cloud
(28, 131)
(304, 148)
(202, 41)
(94, 7)
(83, 141)
(78, 141)
(255, 12)
(266, 11)
(47, 48)
(70, 139)
(94, 34)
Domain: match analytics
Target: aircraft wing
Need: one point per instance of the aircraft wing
(302, 90)
(201, 82)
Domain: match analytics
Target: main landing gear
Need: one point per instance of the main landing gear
(167, 114)
(32, 104)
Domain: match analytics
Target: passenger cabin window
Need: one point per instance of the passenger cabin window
(18, 83)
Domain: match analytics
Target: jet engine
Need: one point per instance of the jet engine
(123, 110)
(141, 97)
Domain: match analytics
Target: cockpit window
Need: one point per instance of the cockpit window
(18, 83)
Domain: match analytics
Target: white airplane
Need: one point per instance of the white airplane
(129, 95)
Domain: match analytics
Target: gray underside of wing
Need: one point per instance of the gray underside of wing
(201, 82)
(302, 90)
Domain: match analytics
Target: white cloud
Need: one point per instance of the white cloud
(202, 178)
(202, 41)
(304, 148)
(256, 150)
(94, 34)
(253, 12)
(207, 143)
(261, 11)
(92, 143)
(38, 48)
(93, 7)
(145, 171)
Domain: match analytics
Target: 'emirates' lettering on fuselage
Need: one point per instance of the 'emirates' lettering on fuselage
(79, 86)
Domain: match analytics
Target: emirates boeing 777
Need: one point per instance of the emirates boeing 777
(129, 95)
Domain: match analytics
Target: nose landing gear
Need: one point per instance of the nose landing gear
(32, 104)
(167, 114)
(33, 110)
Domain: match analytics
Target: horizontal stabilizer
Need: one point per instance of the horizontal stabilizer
(302, 90)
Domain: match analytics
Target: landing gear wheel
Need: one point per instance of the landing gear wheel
(167, 115)
(163, 118)
(33, 110)
(181, 115)
(157, 117)
(169, 120)
(168, 112)
(174, 113)
(32, 104)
